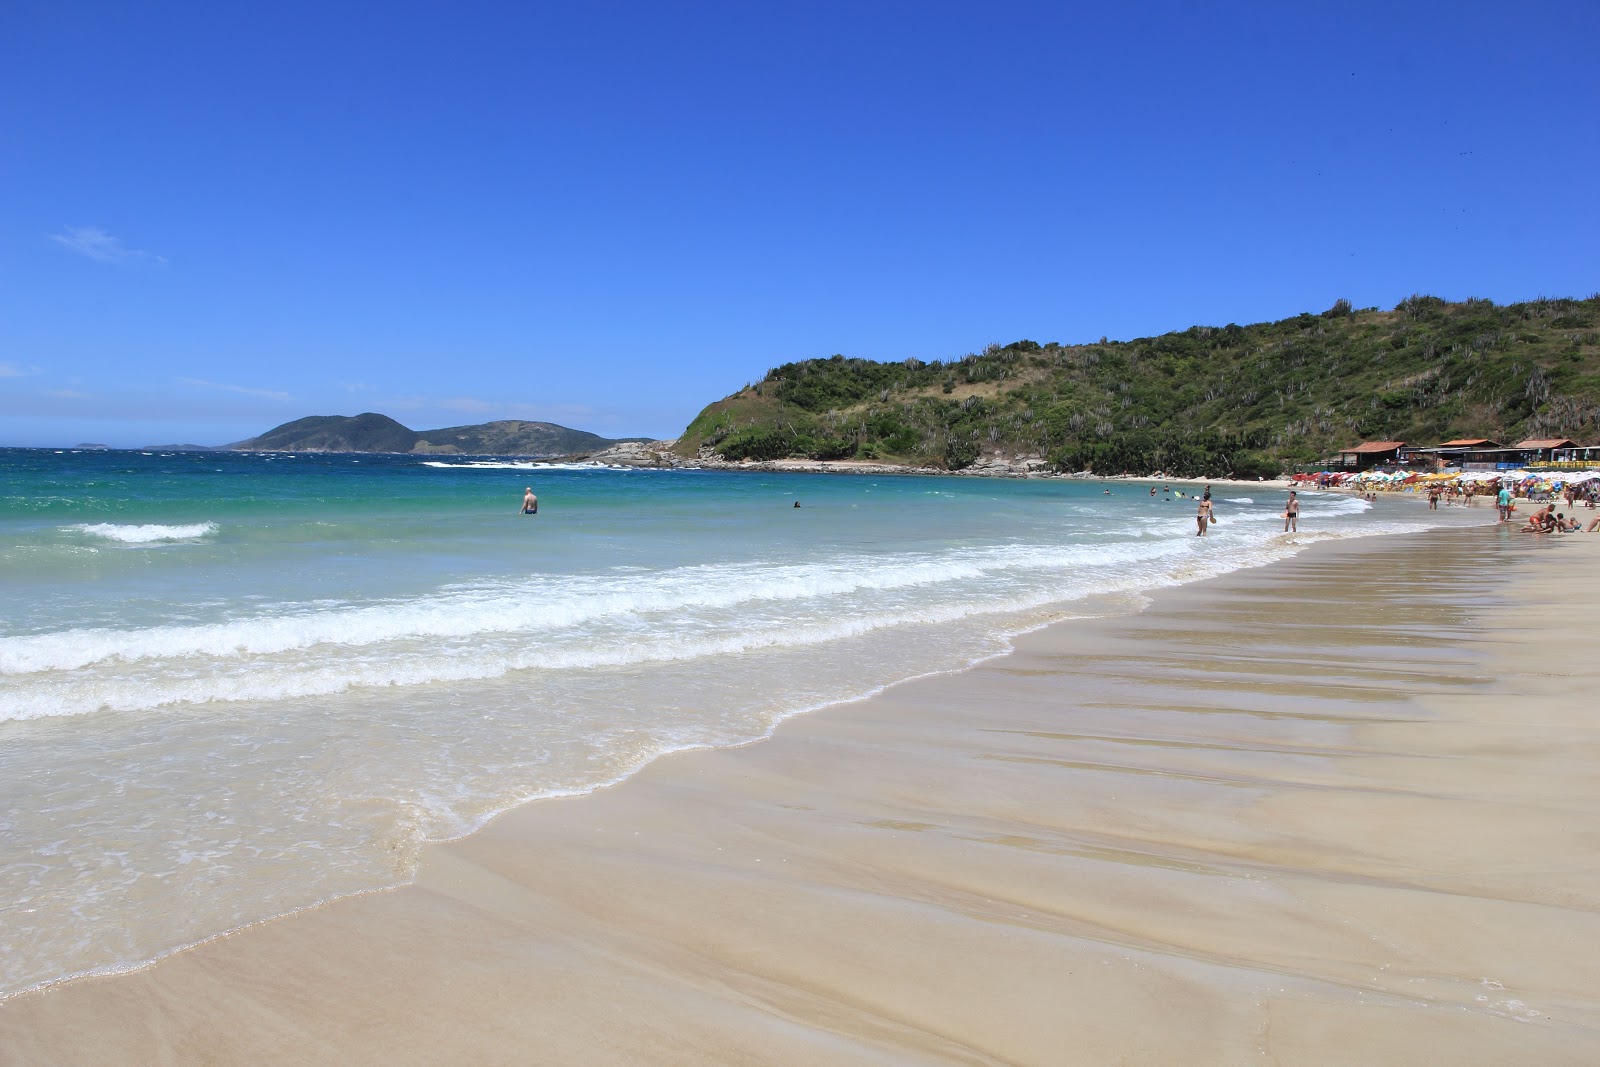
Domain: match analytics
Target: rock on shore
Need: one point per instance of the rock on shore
(661, 454)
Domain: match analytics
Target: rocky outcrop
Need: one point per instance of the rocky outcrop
(661, 454)
(634, 454)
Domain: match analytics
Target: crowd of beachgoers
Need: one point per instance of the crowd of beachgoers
(1462, 488)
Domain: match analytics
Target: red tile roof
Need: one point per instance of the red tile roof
(1545, 442)
(1466, 441)
(1375, 446)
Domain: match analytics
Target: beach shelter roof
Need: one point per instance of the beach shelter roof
(1375, 446)
(1546, 442)
(1468, 442)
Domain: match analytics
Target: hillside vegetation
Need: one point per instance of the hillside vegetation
(371, 432)
(1248, 400)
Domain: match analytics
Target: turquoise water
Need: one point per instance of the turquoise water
(233, 685)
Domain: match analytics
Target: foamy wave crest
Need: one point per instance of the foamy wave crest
(1338, 503)
(543, 604)
(1239, 500)
(722, 621)
(145, 534)
(529, 465)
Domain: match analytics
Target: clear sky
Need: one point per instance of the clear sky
(216, 217)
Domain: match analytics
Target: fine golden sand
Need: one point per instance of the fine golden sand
(1344, 809)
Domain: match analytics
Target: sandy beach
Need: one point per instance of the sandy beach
(1339, 809)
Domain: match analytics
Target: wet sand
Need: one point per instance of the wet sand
(1336, 810)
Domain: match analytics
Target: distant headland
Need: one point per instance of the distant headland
(1252, 400)
(371, 432)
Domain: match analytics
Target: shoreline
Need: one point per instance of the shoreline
(462, 867)
(1095, 601)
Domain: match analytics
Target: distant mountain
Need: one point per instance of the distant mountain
(371, 432)
(368, 432)
(511, 438)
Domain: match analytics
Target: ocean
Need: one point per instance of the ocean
(235, 685)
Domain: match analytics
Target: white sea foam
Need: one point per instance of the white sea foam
(481, 634)
(145, 533)
(1337, 503)
(544, 604)
(536, 465)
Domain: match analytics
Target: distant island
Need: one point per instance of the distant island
(1249, 400)
(371, 432)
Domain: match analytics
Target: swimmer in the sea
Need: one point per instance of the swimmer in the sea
(530, 503)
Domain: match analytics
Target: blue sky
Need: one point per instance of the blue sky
(219, 217)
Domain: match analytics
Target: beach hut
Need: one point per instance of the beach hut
(1471, 453)
(1586, 454)
(1370, 454)
(1542, 449)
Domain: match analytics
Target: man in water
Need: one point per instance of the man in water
(530, 503)
(1502, 500)
(1291, 514)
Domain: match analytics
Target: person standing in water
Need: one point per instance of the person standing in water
(1203, 516)
(1291, 514)
(530, 503)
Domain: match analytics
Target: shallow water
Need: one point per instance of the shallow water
(233, 684)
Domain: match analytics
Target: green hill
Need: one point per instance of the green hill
(367, 432)
(512, 437)
(1211, 399)
(371, 432)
